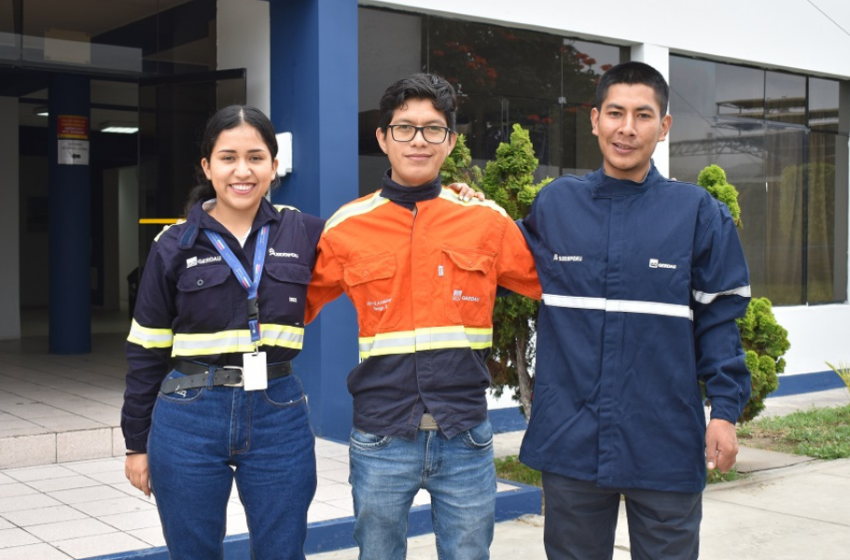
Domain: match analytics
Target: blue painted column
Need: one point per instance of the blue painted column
(314, 96)
(69, 212)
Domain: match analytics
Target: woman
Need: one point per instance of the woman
(210, 392)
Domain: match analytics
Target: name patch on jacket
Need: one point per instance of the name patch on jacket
(195, 261)
(653, 263)
(568, 258)
(273, 253)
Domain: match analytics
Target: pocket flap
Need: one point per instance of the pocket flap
(468, 259)
(291, 272)
(371, 268)
(195, 279)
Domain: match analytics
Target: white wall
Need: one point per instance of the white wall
(10, 302)
(244, 36)
(128, 229)
(817, 335)
(788, 34)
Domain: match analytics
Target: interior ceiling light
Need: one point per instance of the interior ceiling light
(119, 128)
(40, 111)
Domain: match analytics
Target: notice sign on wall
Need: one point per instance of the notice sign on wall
(72, 132)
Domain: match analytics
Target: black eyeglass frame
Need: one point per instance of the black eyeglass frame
(419, 130)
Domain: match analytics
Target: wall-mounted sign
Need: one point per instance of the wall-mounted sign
(72, 126)
(73, 152)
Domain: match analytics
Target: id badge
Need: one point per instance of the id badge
(254, 373)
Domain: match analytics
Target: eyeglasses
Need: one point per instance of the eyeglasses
(432, 134)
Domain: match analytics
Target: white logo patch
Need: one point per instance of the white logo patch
(568, 258)
(195, 261)
(273, 253)
(653, 263)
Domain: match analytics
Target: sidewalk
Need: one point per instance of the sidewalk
(788, 508)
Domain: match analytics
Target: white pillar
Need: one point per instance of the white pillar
(658, 58)
(10, 295)
(244, 41)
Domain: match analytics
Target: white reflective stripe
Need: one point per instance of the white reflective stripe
(574, 302)
(433, 338)
(355, 209)
(150, 338)
(619, 306)
(649, 308)
(225, 342)
(702, 297)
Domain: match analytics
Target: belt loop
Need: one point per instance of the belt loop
(211, 376)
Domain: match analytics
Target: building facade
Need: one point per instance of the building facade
(760, 88)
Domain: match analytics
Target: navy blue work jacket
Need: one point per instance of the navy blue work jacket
(642, 283)
(190, 305)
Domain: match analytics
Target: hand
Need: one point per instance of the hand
(465, 192)
(721, 445)
(136, 470)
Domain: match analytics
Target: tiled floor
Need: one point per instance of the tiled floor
(63, 493)
(87, 508)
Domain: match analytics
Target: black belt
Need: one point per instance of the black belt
(197, 375)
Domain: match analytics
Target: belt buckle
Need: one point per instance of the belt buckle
(428, 423)
(241, 382)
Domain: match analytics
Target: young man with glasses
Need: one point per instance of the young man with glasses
(421, 266)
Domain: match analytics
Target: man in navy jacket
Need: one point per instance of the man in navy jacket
(643, 278)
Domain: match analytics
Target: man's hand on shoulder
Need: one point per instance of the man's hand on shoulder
(465, 192)
(721, 445)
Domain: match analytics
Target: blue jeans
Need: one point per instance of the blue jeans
(387, 472)
(201, 439)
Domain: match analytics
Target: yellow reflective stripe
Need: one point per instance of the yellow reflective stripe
(149, 338)
(355, 209)
(226, 342)
(282, 335)
(164, 229)
(451, 196)
(420, 340)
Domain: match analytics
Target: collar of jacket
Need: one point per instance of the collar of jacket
(608, 187)
(409, 196)
(199, 219)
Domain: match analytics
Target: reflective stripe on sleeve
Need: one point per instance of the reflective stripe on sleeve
(225, 342)
(420, 340)
(149, 338)
(355, 209)
(619, 306)
(702, 297)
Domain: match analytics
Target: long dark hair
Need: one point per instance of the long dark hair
(226, 119)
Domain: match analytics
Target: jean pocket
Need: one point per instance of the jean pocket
(479, 437)
(284, 392)
(368, 442)
(183, 396)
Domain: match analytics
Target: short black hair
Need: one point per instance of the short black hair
(634, 73)
(419, 86)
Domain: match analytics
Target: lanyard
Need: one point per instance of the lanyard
(241, 275)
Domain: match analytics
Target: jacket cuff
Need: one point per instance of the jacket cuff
(725, 408)
(137, 444)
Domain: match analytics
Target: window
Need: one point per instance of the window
(779, 139)
(503, 76)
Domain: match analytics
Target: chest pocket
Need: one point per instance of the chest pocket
(204, 302)
(469, 288)
(283, 293)
(370, 282)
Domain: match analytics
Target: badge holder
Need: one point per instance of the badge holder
(254, 370)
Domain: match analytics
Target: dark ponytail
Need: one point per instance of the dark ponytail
(226, 119)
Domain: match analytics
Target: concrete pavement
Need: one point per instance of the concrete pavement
(786, 508)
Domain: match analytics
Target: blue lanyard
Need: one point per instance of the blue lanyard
(250, 285)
